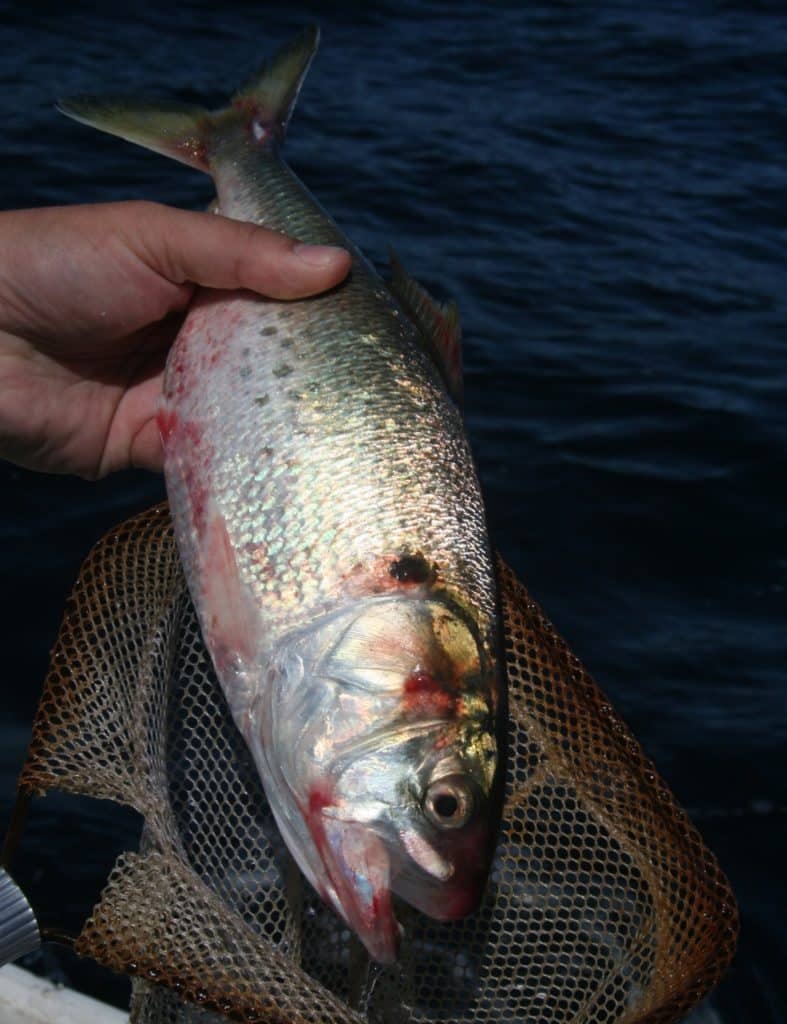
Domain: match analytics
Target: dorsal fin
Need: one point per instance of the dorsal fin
(437, 323)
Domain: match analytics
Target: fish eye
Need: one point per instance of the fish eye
(449, 803)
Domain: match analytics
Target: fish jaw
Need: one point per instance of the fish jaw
(346, 861)
(358, 868)
(448, 899)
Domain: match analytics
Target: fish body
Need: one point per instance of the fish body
(332, 532)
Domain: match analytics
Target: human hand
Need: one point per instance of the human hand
(91, 298)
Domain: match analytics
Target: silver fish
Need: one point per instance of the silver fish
(332, 531)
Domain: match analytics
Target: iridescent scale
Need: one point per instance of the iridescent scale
(320, 428)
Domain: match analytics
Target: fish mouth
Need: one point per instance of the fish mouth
(447, 883)
(358, 884)
(445, 902)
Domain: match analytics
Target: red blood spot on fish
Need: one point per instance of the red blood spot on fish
(320, 797)
(230, 617)
(356, 856)
(427, 696)
(171, 427)
(192, 432)
(182, 440)
(197, 497)
(166, 422)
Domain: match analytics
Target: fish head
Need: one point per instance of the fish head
(433, 814)
(383, 761)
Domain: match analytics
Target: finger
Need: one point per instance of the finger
(147, 452)
(217, 252)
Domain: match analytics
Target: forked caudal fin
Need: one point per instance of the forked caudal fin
(184, 132)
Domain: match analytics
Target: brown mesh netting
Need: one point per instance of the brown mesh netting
(603, 905)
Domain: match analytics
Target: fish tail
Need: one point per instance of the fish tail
(270, 95)
(189, 133)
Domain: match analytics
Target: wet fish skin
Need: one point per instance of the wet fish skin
(332, 531)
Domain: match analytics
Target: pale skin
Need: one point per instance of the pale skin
(91, 298)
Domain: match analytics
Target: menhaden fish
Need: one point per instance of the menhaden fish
(332, 531)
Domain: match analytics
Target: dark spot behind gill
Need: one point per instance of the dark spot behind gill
(411, 569)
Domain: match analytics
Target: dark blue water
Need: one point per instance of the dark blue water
(603, 188)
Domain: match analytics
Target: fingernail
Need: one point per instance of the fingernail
(317, 255)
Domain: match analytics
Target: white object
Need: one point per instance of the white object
(26, 999)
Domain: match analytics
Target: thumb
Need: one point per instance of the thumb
(216, 252)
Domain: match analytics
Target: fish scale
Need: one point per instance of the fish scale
(326, 474)
(330, 523)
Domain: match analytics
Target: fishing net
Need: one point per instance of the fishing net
(603, 904)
